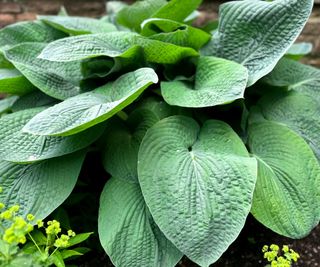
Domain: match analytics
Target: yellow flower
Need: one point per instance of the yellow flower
(15, 208)
(40, 223)
(53, 228)
(6, 215)
(274, 247)
(30, 217)
(71, 233)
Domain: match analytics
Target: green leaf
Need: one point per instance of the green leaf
(41, 187)
(122, 139)
(296, 76)
(85, 110)
(57, 259)
(113, 7)
(177, 10)
(7, 103)
(175, 33)
(299, 112)
(127, 231)
(78, 238)
(65, 254)
(31, 31)
(77, 25)
(33, 100)
(132, 16)
(4, 63)
(13, 82)
(217, 81)
(59, 80)
(298, 50)
(20, 147)
(257, 34)
(115, 44)
(197, 183)
(287, 194)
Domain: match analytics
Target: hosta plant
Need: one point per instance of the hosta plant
(196, 126)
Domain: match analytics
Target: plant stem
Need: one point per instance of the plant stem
(35, 243)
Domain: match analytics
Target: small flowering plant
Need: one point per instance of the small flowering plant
(30, 242)
(284, 258)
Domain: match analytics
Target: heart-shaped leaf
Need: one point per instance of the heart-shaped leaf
(287, 194)
(77, 25)
(257, 34)
(85, 110)
(217, 81)
(299, 112)
(296, 76)
(127, 231)
(41, 187)
(115, 44)
(13, 82)
(20, 147)
(122, 139)
(59, 80)
(197, 183)
(173, 32)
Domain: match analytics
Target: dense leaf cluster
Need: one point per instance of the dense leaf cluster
(196, 126)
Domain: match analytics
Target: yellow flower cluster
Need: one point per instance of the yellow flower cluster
(272, 255)
(19, 227)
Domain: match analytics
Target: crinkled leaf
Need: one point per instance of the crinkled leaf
(197, 183)
(31, 31)
(175, 33)
(13, 82)
(33, 100)
(7, 103)
(41, 187)
(296, 76)
(20, 147)
(132, 16)
(127, 231)
(122, 139)
(287, 194)
(299, 112)
(85, 110)
(115, 44)
(257, 34)
(59, 80)
(217, 81)
(77, 25)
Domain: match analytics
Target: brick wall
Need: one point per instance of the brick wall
(18, 10)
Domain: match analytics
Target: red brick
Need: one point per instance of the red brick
(11, 8)
(26, 16)
(44, 6)
(6, 19)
